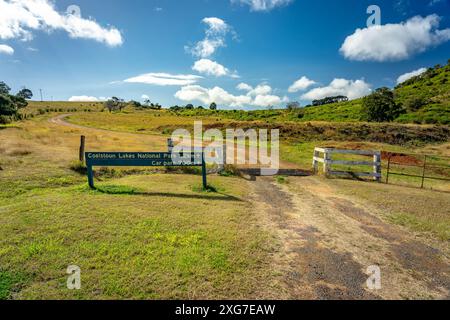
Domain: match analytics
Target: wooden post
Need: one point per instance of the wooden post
(388, 169)
(224, 158)
(170, 145)
(327, 160)
(82, 145)
(423, 171)
(377, 166)
(315, 162)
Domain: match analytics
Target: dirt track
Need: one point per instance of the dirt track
(328, 241)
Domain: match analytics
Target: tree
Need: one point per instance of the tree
(213, 106)
(25, 94)
(114, 104)
(328, 100)
(135, 104)
(7, 107)
(380, 106)
(4, 88)
(19, 101)
(294, 105)
(189, 106)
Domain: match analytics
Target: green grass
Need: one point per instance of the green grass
(422, 224)
(10, 283)
(420, 210)
(137, 237)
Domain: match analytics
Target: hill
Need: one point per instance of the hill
(425, 98)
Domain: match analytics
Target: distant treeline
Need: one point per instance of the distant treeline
(329, 100)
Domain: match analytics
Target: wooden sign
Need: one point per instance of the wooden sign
(143, 159)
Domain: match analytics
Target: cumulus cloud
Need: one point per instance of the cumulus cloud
(5, 49)
(393, 42)
(349, 88)
(209, 67)
(263, 5)
(145, 97)
(18, 18)
(259, 98)
(165, 79)
(410, 75)
(244, 87)
(83, 99)
(301, 84)
(215, 35)
(260, 90)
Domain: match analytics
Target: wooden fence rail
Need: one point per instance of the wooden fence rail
(328, 162)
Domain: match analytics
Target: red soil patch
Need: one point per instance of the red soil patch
(401, 158)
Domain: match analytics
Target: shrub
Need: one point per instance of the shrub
(414, 103)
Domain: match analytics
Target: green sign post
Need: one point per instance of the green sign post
(143, 159)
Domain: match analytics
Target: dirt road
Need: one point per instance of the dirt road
(327, 242)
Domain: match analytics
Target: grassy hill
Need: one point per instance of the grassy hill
(431, 88)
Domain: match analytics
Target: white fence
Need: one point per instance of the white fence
(328, 162)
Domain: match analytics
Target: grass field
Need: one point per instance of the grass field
(141, 236)
(147, 234)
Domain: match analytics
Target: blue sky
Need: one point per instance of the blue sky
(199, 51)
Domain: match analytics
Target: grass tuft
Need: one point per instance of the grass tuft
(9, 283)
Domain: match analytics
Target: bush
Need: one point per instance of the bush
(415, 103)
(4, 119)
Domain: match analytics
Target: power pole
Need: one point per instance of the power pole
(40, 90)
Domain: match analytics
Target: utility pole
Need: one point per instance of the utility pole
(40, 90)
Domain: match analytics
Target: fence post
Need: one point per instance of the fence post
(224, 158)
(388, 169)
(315, 162)
(377, 166)
(170, 145)
(423, 171)
(82, 145)
(327, 159)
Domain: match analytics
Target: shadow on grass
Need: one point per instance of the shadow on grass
(124, 190)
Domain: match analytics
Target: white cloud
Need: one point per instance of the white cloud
(268, 100)
(392, 42)
(260, 90)
(215, 34)
(244, 87)
(301, 84)
(5, 49)
(349, 88)
(165, 79)
(32, 49)
(410, 75)
(83, 99)
(208, 67)
(263, 5)
(18, 18)
(145, 97)
(224, 98)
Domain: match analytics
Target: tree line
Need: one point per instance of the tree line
(10, 104)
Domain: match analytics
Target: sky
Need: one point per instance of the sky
(241, 54)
